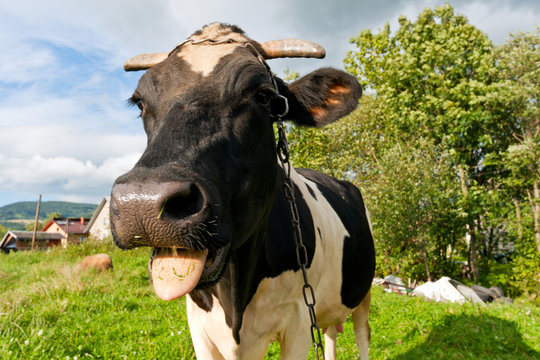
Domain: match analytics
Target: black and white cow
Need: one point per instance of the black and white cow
(206, 195)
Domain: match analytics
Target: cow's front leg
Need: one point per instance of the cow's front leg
(330, 337)
(252, 351)
(204, 348)
(212, 338)
(296, 341)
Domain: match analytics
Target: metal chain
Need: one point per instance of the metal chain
(301, 250)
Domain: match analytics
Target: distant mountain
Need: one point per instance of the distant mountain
(27, 210)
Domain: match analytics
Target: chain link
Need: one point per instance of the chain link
(301, 250)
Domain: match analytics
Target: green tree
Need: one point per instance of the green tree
(519, 164)
(523, 162)
(290, 75)
(519, 59)
(3, 231)
(437, 78)
(409, 186)
(414, 210)
(346, 149)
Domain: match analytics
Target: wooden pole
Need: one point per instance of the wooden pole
(66, 229)
(36, 222)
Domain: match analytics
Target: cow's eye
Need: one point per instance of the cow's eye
(139, 104)
(137, 101)
(263, 97)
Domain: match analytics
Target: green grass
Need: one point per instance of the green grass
(49, 311)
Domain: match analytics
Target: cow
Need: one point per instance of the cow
(207, 195)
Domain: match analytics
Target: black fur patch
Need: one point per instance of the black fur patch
(311, 191)
(358, 253)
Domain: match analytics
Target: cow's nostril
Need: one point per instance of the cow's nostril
(182, 204)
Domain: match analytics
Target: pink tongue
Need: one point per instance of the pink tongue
(176, 274)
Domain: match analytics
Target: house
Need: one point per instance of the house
(22, 240)
(72, 230)
(62, 231)
(99, 226)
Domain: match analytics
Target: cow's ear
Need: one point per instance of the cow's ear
(322, 96)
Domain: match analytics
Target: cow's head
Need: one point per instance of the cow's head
(207, 179)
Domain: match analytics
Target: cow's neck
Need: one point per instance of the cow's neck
(237, 285)
(241, 277)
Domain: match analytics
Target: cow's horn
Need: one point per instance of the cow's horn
(292, 48)
(273, 50)
(144, 61)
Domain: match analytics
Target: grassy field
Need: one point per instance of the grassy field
(49, 311)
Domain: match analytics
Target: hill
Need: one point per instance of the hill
(27, 210)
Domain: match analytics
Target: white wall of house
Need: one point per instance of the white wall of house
(101, 227)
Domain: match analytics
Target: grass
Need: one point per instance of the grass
(49, 311)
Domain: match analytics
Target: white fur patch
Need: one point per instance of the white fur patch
(212, 338)
(203, 58)
(368, 220)
(199, 52)
(325, 273)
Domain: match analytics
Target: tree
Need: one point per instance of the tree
(519, 58)
(437, 78)
(3, 231)
(290, 75)
(413, 205)
(408, 186)
(346, 149)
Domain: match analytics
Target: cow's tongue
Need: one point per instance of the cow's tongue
(177, 272)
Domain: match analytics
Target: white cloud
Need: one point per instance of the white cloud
(63, 175)
(50, 141)
(84, 125)
(498, 21)
(22, 62)
(496, 18)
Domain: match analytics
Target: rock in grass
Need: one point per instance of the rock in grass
(97, 262)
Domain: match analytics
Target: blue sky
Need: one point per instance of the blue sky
(65, 129)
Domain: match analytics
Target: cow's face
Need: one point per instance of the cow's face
(207, 179)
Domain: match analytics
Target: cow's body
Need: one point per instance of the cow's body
(228, 212)
(274, 307)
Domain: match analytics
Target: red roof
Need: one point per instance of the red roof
(74, 226)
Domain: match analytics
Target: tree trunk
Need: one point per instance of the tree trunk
(424, 252)
(464, 188)
(535, 204)
(518, 219)
(473, 246)
(426, 263)
(473, 254)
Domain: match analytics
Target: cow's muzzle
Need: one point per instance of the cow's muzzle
(182, 221)
(161, 214)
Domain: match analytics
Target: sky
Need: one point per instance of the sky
(65, 129)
